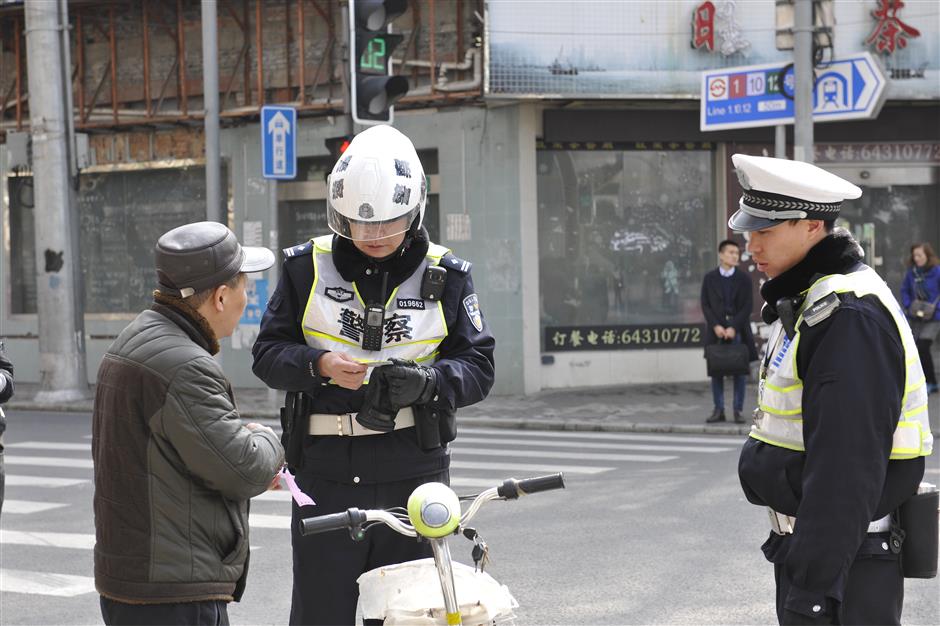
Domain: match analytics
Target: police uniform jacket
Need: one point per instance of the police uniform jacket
(853, 371)
(284, 361)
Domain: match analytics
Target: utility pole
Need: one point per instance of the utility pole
(210, 82)
(804, 79)
(60, 307)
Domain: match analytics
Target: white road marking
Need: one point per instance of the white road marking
(586, 445)
(51, 445)
(575, 456)
(578, 434)
(258, 520)
(77, 541)
(45, 584)
(47, 461)
(529, 467)
(25, 507)
(16, 480)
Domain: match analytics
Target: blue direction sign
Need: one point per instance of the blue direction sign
(762, 95)
(278, 142)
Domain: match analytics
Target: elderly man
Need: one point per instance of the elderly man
(174, 464)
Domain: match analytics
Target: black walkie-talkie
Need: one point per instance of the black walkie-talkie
(373, 327)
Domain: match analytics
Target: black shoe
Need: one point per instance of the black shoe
(738, 418)
(718, 415)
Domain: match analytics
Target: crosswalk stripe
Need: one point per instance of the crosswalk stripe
(281, 495)
(50, 445)
(78, 541)
(25, 507)
(16, 480)
(529, 467)
(578, 434)
(588, 445)
(45, 584)
(258, 520)
(576, 456)
(47, 461)
(474, 481)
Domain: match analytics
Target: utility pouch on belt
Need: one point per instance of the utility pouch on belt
(918, 518)
(434, 427)
(295, 415)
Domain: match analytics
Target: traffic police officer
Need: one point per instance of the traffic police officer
(841, 431)
(375, 290)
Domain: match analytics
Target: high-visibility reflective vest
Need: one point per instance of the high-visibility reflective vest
(335, 312)
(778, 419)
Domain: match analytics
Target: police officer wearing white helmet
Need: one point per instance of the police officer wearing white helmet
(381, 330)
(841, 431)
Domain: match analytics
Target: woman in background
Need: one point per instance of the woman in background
(922, 282)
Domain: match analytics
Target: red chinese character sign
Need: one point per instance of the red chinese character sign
(890, 33)
(703, 26)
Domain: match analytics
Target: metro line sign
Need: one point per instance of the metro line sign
(762, 95)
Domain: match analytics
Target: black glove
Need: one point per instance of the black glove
(377, 413)
(409, 383)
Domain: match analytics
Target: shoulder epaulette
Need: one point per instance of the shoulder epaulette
(298, 250)
(451, 262)
(821, 309)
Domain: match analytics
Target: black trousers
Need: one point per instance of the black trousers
(926, 360)
(327, 565)
(209, 613)
(874, 592)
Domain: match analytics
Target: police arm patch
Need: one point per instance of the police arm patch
(471, 305)
(821, 309)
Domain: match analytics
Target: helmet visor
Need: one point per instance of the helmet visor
(364, 230)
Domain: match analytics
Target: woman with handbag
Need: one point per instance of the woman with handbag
(920, 295)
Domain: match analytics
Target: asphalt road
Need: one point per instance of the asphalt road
(651, 529)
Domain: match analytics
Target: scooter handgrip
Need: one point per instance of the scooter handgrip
(334, 521)
(512, 488)
(541, 483)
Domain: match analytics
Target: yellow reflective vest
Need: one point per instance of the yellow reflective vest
(778, 419)
(333, 318)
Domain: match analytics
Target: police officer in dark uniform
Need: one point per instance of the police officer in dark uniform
(382, 332)
(841, 431)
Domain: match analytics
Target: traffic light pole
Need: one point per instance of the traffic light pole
(803, 75)
(59, 300)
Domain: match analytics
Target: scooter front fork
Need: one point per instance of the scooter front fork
(445, 573)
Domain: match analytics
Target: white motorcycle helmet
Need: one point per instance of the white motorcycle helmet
(377, 188)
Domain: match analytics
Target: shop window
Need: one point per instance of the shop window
(301, 203)
(122, 213)
(625, 237)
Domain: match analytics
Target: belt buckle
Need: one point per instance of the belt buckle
(344, 425)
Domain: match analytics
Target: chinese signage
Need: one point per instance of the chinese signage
(919, 152)
(603, 49)
(611, 337)
(625, 145)
(890, 33)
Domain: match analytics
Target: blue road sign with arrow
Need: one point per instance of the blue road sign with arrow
(278, 142)
(762, 95)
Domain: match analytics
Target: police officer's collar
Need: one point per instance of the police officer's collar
(352, 263)
(837, 253)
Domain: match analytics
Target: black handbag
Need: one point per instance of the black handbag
(727, 359)
(923, 310)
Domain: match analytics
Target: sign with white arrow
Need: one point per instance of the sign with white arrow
(278, 142)
(762, 95)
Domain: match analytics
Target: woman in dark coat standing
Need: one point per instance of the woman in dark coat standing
(922, 282)
(727, 299)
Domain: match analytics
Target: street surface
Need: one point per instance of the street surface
(652, 529)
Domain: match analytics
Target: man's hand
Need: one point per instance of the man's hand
(730, 333)
(342, 369)
(719, 331)
(254, 426)
(409, 383)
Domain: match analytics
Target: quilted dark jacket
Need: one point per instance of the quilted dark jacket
(174, 466)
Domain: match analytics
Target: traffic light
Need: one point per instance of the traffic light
(337, 146)
(373, 89)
